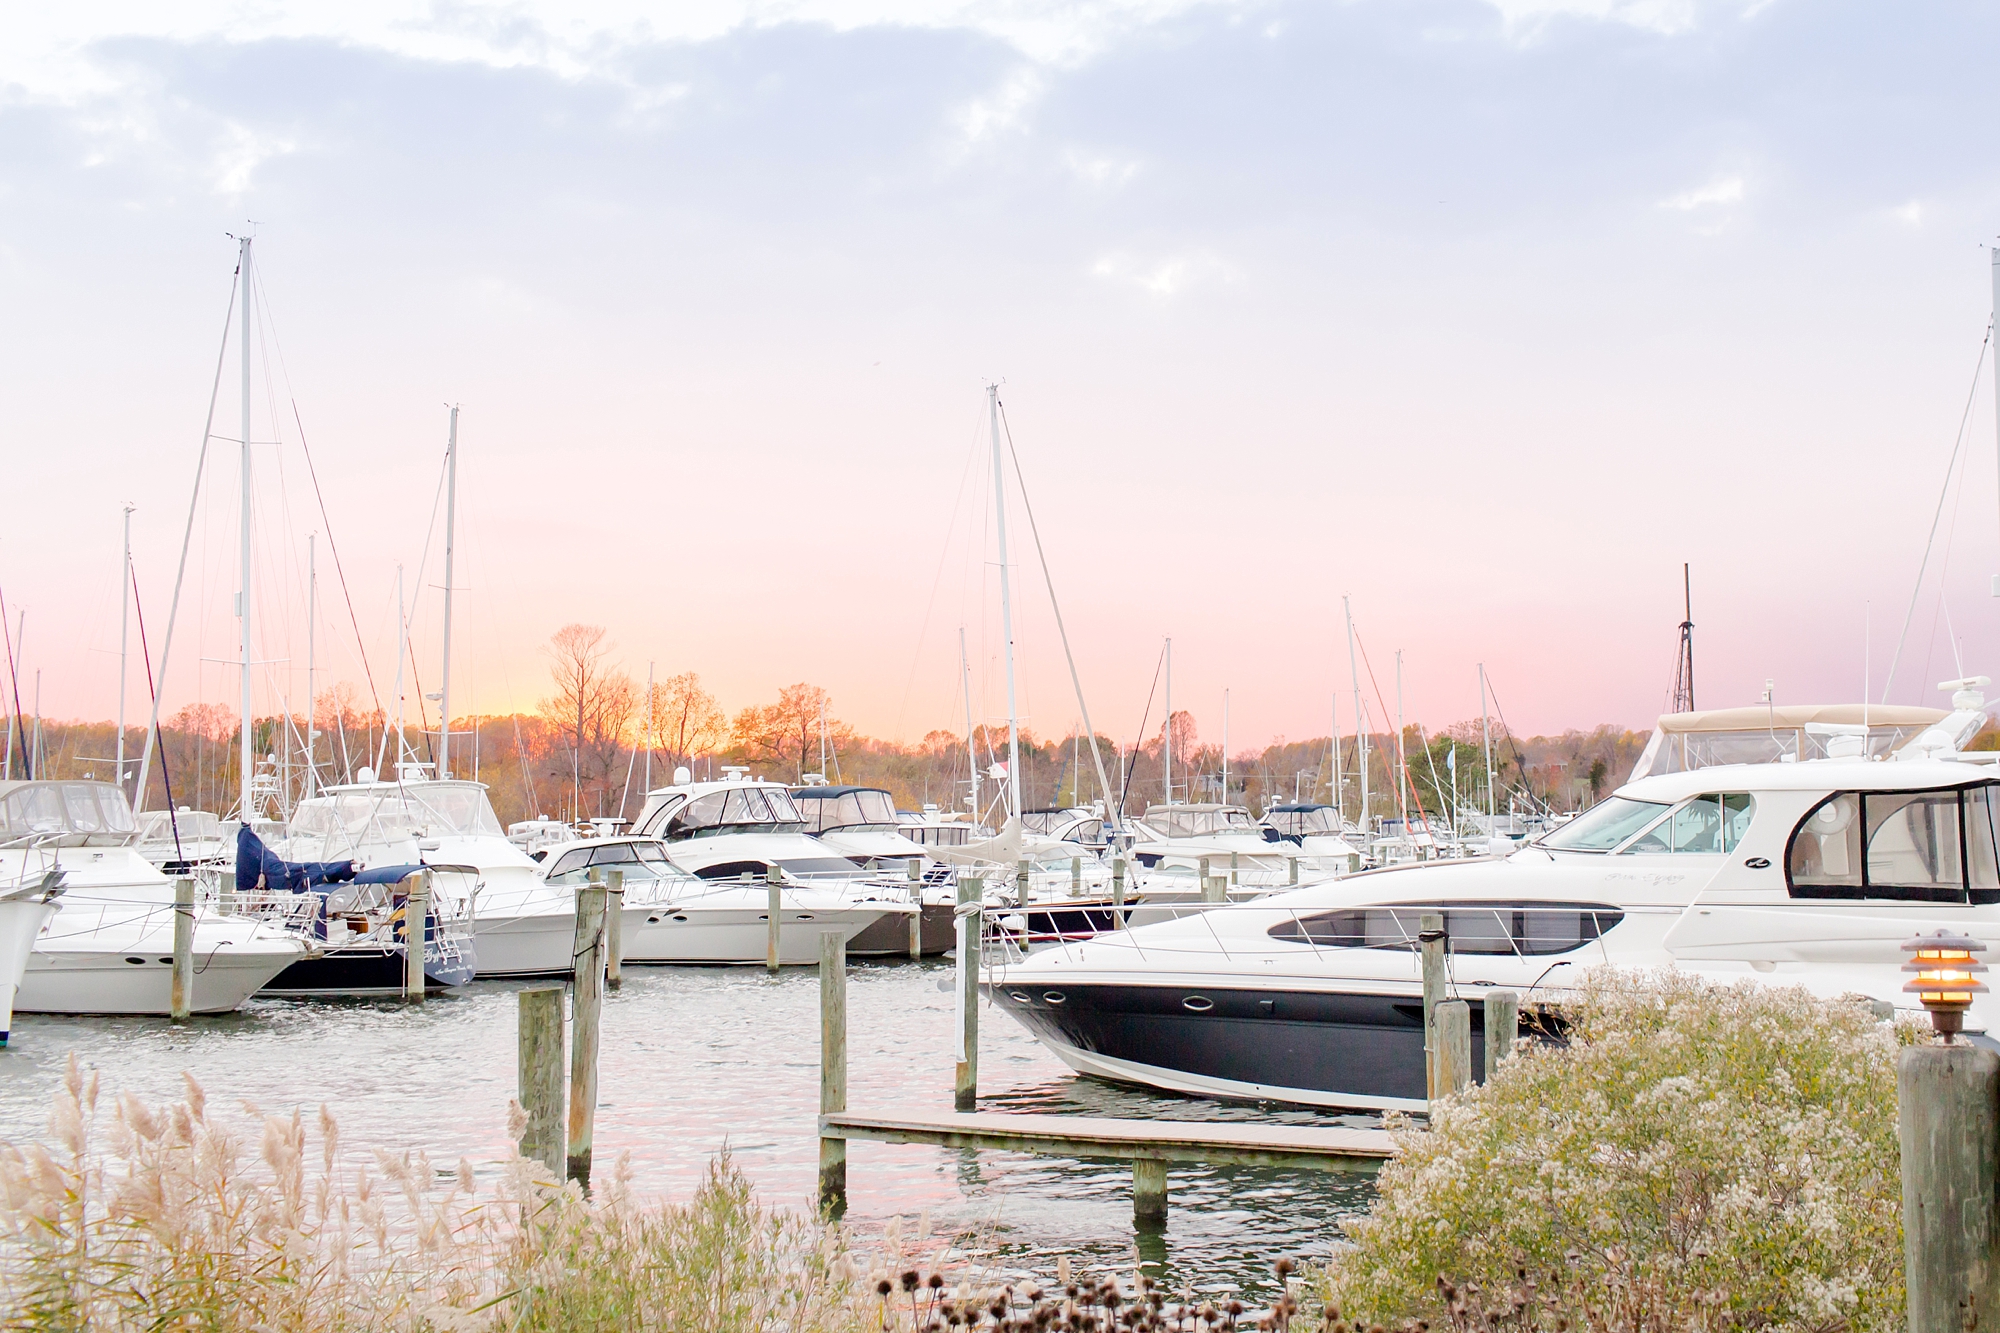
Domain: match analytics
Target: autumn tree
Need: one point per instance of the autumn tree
(592, 706)
(686, 720)
(787, 732)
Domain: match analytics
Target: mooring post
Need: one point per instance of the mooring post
(1233, 881)
(1454, 1059)
(916, 865)
(965, 1088)
(1214, 889)
(539, 1037)
(1948, 1100)
(1076, 877)
(180, 1000)
(1149, 1191)
(774, 880)
(832, 1065)
(225, 893)
(1023, 885)
(1293, 862)
(1202, 875)
(1503, 1024)
(1117, 891)
(416, 932)
(1431, 939)
(587, 1005)
(614, 929)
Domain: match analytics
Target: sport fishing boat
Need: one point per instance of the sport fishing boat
(521, 925)
(672, 916)
(1808, 873)
(109, 946)
(742, 828)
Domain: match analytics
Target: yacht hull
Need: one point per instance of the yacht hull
(1311, 1048)
(739, 934)
(889, 936)
(541, 944)
(362, 970)
(20, 922)
(97, 981)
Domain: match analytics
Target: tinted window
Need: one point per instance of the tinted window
(1926, 846)
(1527, 929)
(1707, 824)
(1605, 825)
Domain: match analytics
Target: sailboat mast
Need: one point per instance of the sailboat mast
(1486, 732)
(649, 734)
(1167, 741)
(1360, 731)
(244, 756)
(1402, 757)
(450, 535)
(402, 649)
(1339, 813)
(124, 637)
(971, 754)
(1225, 747)
(312, 709)
(1006, 607)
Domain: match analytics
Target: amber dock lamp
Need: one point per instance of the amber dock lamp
(1944, 982)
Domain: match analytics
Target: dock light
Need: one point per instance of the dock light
(1944, 983)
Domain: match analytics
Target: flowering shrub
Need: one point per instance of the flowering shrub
(1694, 1156)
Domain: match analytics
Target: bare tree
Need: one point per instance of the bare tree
(593, 705)
(687, 721)
(787, 732)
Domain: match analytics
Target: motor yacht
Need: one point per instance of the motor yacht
(861, 824)
(672, 916)
(1318, 832)
(185, 840)
(1809, 873)
(24, 910)
(109, 946)
(741, 828)
(521, 925)
(1170, 843)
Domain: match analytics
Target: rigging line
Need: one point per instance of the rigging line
(1021, 481)
(1944, 578)
(333, 547)
(1943, 494)
(1144, 717)
(1507, 733)
(1402, 749)
(166, 778)
(174, 607)
(14, 722)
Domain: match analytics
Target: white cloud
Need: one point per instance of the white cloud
(1005, 108)
(1164, 278)
(244, 150)
(1666, 17)
(1103, 171)
(1911, 213)
(1717, 193)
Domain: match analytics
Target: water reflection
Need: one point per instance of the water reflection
(697, 1060)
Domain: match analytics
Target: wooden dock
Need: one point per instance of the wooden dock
(1148, 1144)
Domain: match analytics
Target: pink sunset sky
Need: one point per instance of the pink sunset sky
(1486, 315)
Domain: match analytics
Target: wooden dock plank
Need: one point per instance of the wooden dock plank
(1319, 1148)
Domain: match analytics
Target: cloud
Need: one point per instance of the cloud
(244, 150)
(1099, 170)
(1167, 277)
(1005, 108)
(1911, 213)
(1666, 17)
(1719, 192)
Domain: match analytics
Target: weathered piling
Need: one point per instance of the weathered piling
(1201, 875)
(1214, 889)
(1454, 1047)
(1503, 1024)
(225, 893)
(1431, 940)
(965, 1085)
(1076, 877)
(614, 929)
(1292, 862)
(774, 880)
(1118, 890)
(1023, 886)
(916, 870)
(1233, 881)
(832, 1065)
(416, 932)
(180, 999)
(1948, 1123)
(539, 1039)
(1149, 1191)
(587, 1004)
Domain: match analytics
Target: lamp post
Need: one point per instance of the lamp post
(1944, 982)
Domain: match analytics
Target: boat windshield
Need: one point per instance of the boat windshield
(392, 814)
(1318, 822)
(1176, 821)
(849, 810)
(89, 811)
(192, 825)
(734, 810)
(939, 835)
(1604, 826)
(647, 860)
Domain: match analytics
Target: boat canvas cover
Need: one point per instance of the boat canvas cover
(1773, 733)
(258, 867)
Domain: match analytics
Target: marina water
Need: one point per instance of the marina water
(696, 1060)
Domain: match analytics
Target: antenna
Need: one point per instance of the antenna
(1684, 663)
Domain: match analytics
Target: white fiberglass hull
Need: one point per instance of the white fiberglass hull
(693, 933)
(20, 922)
(107, 961)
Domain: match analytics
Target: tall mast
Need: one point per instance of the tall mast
(1684, 665)
(312, 704)
(124, 637)
(649, 734)
(402, 649)
(1402, 756)
(1360, 731)
(450, 532)
(1225, 747)
(1006, 607)
(971, 754)
(244, 756)
(1486, 731)
(1167, 744)
(1339, 808)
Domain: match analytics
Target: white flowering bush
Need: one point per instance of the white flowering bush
(1691, 1157)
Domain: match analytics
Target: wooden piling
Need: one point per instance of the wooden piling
(225, 893)
(774, 880)
(1454, 1048)
(614, 929)
(1431, 940)
(1201, 875)
(1503, 1024)
(180, 999)
(1293, 863)
(1076, 877)
(832, 1065)
(1024, 886)
(539, 1038)
(416, 932)
(1214, 889)
(1233, 881)
(916, 866)
(1118, 890)
(1948, 1100)
(1149, 1191)
(965, 1086)
(586, 1007)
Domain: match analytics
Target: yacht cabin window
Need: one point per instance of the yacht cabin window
(1524, 929)
(1921, 846)
(65, 809)
(873, 810)
(640, 859)
(732, 810)
(1604, 826)
(1317, 822)
(1182, 822)
(1711, 824)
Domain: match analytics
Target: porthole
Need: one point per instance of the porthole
(803, 916)
(1053, 996)
(680, 918)
(167, 961)
(652, 921)
(135, 960)
(1201, 1004)
(1021, 997)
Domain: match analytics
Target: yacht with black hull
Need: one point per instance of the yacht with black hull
(1805, 873)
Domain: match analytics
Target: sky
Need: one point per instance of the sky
(1478, 316)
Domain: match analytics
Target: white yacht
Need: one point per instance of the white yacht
(24, 910)
(521, 925)
(672, 916)
(741, 828)
(1171, 841)
(1316, 831)
(109, 946)
(185, 840)
(1806, 873)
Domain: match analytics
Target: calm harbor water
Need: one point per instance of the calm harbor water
(696, 1060)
